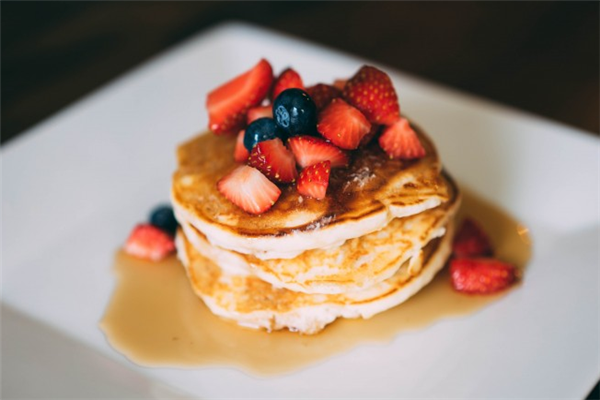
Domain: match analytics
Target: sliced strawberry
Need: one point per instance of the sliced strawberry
(273, 159)
(400, 141)
(227, 105)
(471, 241)
(259, 112)
(313, 180)
(372, 92)
(249, 189)
(240, 154)
(309, 150)
(340, 83)
(343, 124)
(481, 275)
(288, 79)
(322, 94)
(149, 242)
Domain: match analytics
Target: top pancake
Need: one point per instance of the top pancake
(360, 199)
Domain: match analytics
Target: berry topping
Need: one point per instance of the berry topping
(249, 189)
(343, 124)
(313, 180)
(288, 79)
(322, 94)
(227, 105)
(259, 112)
(309, 150)
(295, 112)
(471, 241)
(372, 92)
(260, 130)
(400, 141)
(241, 153)
(340, 83)
(481, 275)
(273, 159)
(149, 242)
(163, 218)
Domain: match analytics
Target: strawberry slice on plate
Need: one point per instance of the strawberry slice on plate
(343, 124)
(240, 153)
(372, 92)
(471, 241)
(273, 159)
(228, 104)
(399, 140)
(322, 94)
(288, 79)
(309, 150)
(249, 189)
(259, 112)
(314, 180)
(481, 275)
(149, 242)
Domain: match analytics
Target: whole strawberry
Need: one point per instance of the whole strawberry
(372, 92)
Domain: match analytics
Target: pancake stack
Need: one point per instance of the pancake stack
(382, 233)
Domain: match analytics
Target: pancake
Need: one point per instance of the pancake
(361, 199)
(254, 303)
(357, 264)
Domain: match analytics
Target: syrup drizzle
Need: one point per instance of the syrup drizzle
(155, 319)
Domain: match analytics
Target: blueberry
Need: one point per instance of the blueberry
(295, 112)
(163, 218)
(260, 130)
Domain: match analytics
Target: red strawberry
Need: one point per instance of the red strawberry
(340, 83)
(309, 150)
(322, 94)
(313, 180)
(240, 154)
(400, 141)
(343, 124)
(149, 242)
(249, 189)
(372, 92)
(227, 105)
(288, 79)
(273, 159)
(471, 241)
(481, 275)
(259, 112)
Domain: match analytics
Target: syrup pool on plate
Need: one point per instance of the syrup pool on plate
(155, 319)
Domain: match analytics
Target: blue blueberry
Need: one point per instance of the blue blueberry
(260, 130)
(295, 112)
(163, 218)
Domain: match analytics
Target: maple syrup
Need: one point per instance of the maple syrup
(155, 319)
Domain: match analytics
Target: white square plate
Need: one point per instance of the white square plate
(74, 186)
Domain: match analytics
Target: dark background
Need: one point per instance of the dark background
(542, 57)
